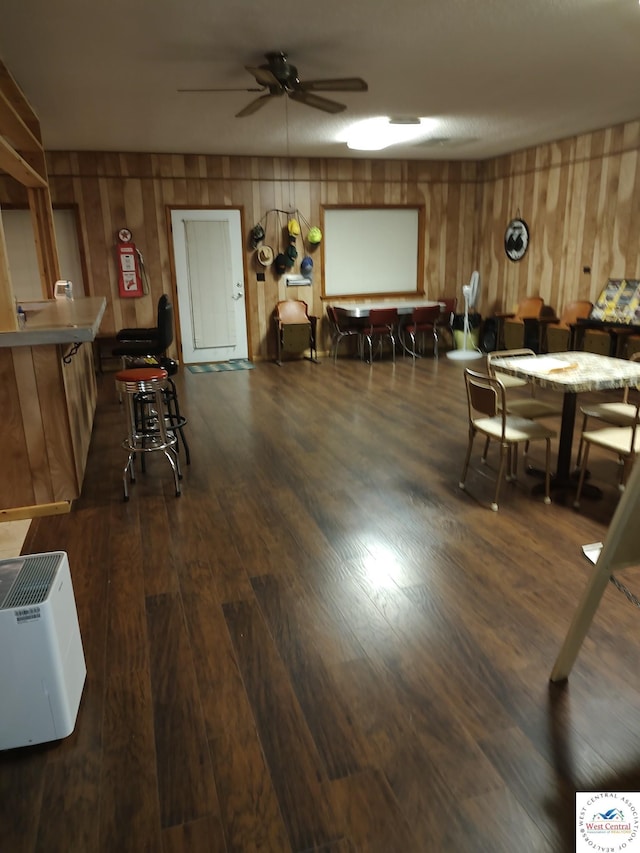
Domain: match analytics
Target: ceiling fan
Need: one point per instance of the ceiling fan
(278, 77)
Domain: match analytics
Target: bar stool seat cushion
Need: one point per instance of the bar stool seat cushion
(141, 374)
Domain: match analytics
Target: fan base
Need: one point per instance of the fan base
(464, 354)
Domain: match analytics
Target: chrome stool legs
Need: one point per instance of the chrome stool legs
(147, 429)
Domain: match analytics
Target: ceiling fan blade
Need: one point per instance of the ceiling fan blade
(340, 84)
(198, 91)
(316, 101)
(255, 105)
(264, 76)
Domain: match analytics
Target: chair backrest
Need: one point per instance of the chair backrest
(292, 311)
(425, 315)
(574, 311)
(505, 353)
(382, 317)
(162, 302)
(530, 308)
(340, 321)
(448, 305)
(485, 395)
(165, 323)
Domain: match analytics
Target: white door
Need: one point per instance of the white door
(207, 246)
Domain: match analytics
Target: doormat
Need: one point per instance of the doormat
(222, 366)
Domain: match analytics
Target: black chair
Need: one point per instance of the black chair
(139, 343)
(148, 347)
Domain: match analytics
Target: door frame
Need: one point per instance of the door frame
(174, 278)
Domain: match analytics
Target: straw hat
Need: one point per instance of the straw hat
(265, 256)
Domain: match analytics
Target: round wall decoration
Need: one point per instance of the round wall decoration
(516, 239)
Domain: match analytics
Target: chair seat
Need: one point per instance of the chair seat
(614, 438)
(516, 429)
(531, 407)
(510, 381)
(137, 334)
(619, 414)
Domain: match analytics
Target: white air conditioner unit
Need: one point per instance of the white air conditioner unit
(42, 667)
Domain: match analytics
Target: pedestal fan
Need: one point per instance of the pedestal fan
(470, 292)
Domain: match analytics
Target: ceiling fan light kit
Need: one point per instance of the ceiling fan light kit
(374, 134)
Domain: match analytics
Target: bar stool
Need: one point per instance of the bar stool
(176, 421)
(147, 429)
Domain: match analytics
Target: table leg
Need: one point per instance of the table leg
(563, 468)
(563, 480)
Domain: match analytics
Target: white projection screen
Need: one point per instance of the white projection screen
(373, 250)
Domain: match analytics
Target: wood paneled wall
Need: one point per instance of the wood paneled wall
(48, 408)
(580, 198)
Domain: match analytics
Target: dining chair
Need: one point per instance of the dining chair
(381, 324)
(448, 305)
(622, 413)
(487, 406)
(558, 335)
(341, 328)
(423, 321)
(527, 406)
(624, 441)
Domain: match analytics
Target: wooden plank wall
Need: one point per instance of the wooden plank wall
(46, 435)
(581, 200)
(580, 197)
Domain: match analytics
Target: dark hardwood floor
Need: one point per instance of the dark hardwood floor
(324, 644)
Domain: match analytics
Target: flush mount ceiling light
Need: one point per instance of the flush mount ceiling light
(374, 134)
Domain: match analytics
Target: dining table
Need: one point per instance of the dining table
(359, 309)
(356, 309)
(570, 373)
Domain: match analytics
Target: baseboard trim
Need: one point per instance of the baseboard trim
(18, 512)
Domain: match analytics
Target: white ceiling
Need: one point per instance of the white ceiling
(497, 75)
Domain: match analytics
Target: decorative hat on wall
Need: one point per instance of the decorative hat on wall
(265, 256)
(315, 235)
(257, 235)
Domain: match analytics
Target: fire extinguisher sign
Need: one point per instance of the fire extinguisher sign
(129, 277)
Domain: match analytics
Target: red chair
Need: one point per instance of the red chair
(424, 320)
(381, 324)
(341, 328)
(448, 305)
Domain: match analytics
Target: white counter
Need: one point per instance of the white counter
(57, 321)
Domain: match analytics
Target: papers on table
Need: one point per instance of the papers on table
(545, 364)
(592, 551)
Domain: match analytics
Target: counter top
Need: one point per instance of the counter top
(57, 321)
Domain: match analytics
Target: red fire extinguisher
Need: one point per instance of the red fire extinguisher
(132, 280)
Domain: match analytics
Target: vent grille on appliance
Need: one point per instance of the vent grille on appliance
(33, 582)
